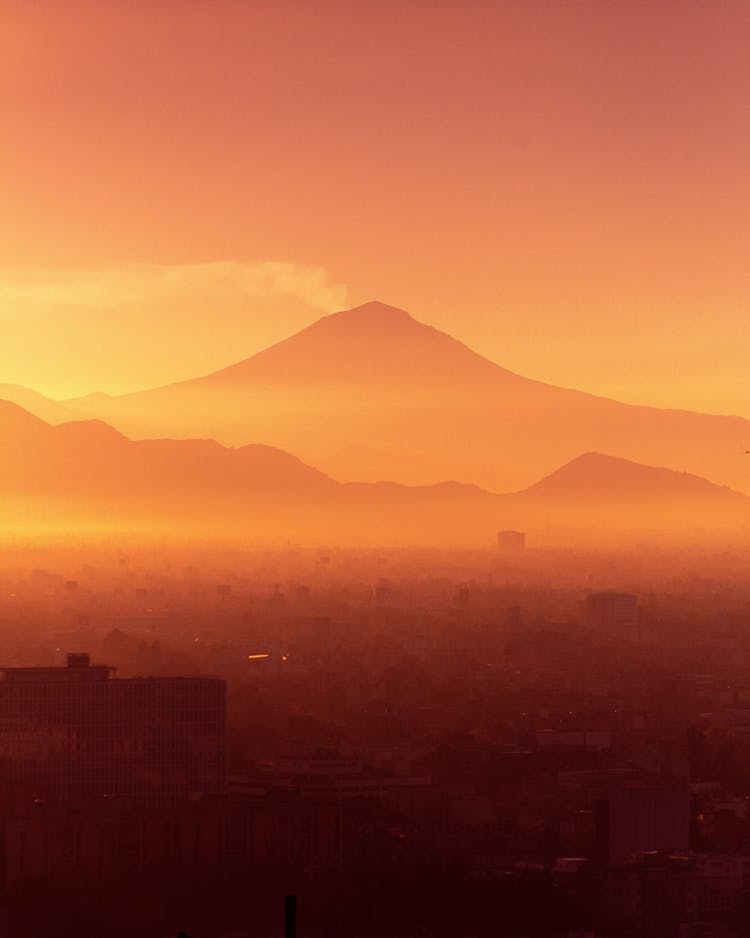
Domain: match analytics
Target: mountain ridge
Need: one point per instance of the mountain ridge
(622, 476)
(375, 375)
(86, 469)
(38, 404)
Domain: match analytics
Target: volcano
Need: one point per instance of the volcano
(373, 379)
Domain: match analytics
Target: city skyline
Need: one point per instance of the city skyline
(374, 468)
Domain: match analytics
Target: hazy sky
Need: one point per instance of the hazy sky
(563, 185)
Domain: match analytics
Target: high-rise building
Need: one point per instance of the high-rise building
(78, 731)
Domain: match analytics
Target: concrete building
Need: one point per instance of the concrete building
(48, 842)
(79, 732)
(576, 738)
(610, 608)
(639, 818)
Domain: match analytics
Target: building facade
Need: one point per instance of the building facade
(78, 731)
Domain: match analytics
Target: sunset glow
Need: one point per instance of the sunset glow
(183, 184)
(374, 468)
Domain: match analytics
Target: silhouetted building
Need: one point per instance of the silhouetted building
(610, 608)
(574, 738)
(79, 731)
(641, 818)
(511, 543)
(101, 841)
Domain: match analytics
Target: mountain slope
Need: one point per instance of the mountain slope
(86, 472)
(597, 494)
(37, 404)
(376, 378)
(87, 469)
(595, 476)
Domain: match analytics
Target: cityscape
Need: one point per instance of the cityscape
(374, 469)
(554, 738)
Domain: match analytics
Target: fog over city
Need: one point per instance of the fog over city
(374, 469)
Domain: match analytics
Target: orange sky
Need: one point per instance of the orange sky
(563, 185)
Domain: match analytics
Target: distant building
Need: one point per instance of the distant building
(638, 819)
(513, 616)
(582, 739)
(610, 608)
(78, 731)
(681, 894)
(382, 592)
(511, 543)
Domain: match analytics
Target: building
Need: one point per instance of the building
(574, 738)
(48, 842)
(637, 819)
(685, 894)
(610, 608)
(80, 732)
(511, 543)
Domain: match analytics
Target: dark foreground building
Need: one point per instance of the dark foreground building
(103, 841)
(79, 732)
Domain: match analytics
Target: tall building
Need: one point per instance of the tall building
(78, 731)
